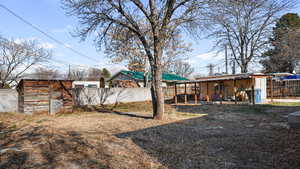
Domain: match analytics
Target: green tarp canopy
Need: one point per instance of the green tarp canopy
(165, 76)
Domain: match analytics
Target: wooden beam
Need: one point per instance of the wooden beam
(185, 94)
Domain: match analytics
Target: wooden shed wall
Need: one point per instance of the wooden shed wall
(35, 95)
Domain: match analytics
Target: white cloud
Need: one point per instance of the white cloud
(211, 56)
(67, 45)
(66, 29)
(47, 45)
(200, 61)
(20, 40)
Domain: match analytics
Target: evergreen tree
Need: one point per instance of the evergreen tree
(284, 54)
(105, 73)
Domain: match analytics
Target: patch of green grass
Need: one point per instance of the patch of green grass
(285, 104)
(251, 109)
(134, 107)
(42, 120)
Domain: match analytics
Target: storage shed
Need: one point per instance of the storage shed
(45, 96)
(238, 88)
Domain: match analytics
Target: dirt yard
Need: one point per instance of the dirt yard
(204, 136)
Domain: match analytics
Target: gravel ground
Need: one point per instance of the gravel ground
(206, 136)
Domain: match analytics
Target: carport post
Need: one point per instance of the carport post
(253, 91)
(207, 96)
(199, 91)
(185, 95)
(175, 97)
(234, 90)
(220, 93)
(195, 93)
(271, 87)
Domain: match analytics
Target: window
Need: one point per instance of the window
(79, 86)
(92, 86)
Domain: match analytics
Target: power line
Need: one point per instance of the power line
(46, 34)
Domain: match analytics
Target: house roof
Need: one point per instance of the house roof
(140, 76)
(227, 77)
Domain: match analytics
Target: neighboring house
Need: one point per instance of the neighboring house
(129, 79)
(86, 84)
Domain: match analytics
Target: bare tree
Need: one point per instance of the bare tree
(94, 74)
(181, 68)
(17, 58)
(78, 74)
(46, 73)
(162, 19)
(128, 49)
(244, 25)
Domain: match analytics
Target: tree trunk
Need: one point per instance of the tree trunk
(156, 87)
(157, 94)
(244, 68)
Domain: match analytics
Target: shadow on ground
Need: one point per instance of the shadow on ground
(46, 148)
(39, 147)
(229, 136)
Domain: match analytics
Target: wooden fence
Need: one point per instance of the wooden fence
(283, 89)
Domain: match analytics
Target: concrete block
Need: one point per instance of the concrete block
(294, 119)
(8, 100)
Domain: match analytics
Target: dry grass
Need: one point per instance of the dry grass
(207, 136)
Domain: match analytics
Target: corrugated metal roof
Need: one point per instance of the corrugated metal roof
(226, 77)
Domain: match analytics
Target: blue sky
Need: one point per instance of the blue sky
(50, 17)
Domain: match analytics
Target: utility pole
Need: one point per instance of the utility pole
(210, 69)
(226, 59)
(69, 74)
